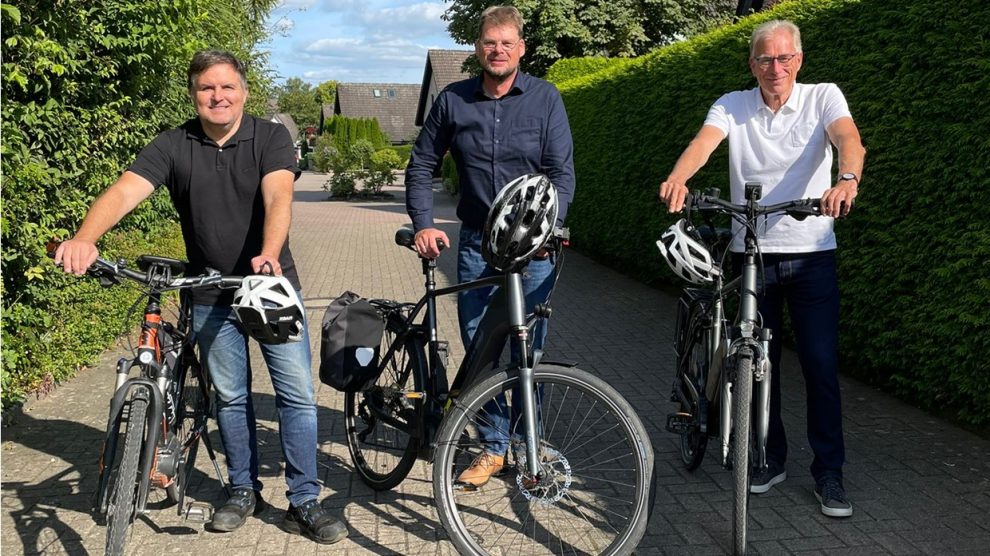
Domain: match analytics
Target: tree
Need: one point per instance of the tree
(326, 92)
(558, 29)
(298, 99)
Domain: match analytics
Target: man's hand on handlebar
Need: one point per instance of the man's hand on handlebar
(75, 256)
(673, 193)
(264, 264)
(426, 240)
(838, 201)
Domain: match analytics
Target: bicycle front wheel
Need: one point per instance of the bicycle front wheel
(120, 514)
(742, 397)
(382, 419)
(596, 489)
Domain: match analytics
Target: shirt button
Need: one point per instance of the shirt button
(219, 150)
(497, 120)
(496, 141)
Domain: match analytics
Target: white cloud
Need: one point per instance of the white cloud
(360, 40)
(296, 4)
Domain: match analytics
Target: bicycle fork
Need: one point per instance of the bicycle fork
(517, 323)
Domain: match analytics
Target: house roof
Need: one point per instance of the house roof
(392, 104)
(290, 124)
(443, 67)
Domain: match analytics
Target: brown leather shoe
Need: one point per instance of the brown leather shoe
(481, 470)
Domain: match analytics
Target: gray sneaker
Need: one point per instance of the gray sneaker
(833, 498)
(764, 479)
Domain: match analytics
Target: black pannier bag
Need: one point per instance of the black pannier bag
(350, 343)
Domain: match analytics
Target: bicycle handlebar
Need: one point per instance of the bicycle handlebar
(211, 278)
(800, 208)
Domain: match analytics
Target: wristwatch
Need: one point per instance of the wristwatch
(847, 176)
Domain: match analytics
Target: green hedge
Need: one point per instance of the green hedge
(448, 175)
(346, 131)
(85, 86)
(913, 257)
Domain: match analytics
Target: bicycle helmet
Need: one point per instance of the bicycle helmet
(686, 255)
(269, 309)
(520, 221)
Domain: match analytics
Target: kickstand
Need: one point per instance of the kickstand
(216, 466)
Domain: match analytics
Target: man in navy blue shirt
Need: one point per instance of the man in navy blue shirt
(497, 127)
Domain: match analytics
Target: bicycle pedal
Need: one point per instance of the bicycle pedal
(199, 512)
(681, 423)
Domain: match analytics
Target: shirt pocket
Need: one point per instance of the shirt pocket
(802, 134)
(527, 137)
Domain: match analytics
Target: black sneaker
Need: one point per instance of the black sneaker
(235, 511)
(763, 479)
(833, 498)
(316, 523)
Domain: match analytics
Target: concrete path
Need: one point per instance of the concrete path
(919, 485)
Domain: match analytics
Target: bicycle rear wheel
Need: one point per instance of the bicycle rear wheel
(742, 397)
(597, 491)
(120, 514)
(381, 420)
(697, 365)
(192, 412)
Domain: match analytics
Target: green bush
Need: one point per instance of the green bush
(914, 257)
(85, 86)
(448, 175)
(403, 151)
(346, 131)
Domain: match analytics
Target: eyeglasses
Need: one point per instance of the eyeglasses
(765, 61)
(489, 45)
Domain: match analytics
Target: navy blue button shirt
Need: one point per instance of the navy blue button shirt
(492, 141)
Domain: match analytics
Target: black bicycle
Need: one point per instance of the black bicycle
(723, 366)
(579, 473)
(161, 399)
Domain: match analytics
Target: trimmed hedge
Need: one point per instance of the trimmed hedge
(913, 256)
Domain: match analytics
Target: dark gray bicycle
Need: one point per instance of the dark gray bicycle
(722, 383)
(579, 473)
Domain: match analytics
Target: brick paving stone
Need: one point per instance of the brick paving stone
(918, 484)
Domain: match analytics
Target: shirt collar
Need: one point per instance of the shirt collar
(194, 130)
(792, 105)
(519, 86)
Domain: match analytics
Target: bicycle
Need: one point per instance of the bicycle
(723, 367)
(581, 477)
(163, 409)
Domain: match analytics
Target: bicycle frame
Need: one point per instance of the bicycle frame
(505, 316)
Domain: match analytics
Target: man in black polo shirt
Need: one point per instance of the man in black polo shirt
(230, 177)
(498, 126)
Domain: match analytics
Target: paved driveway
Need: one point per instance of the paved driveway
(919, 485)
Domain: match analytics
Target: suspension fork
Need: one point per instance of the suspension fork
(527, 390)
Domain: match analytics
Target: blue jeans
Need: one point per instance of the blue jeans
(809, 285)
(471, 305)
(224, 349)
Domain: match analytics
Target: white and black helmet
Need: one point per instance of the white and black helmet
(269, 309)
(687, 257)
(520, 221)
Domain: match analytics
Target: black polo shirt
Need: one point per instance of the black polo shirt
(217, 193)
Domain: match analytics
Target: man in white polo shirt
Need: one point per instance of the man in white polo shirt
(781, 135)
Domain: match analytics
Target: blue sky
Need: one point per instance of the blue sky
(356, 41)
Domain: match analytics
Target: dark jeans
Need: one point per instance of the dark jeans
(471, 305)
(808, 283)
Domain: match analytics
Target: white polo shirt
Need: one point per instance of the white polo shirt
(788, 152)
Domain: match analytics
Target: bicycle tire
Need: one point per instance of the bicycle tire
(382, 453)
(742, 398)
(602, 507)
(192, 412)
(120, 514)
(697, 365)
